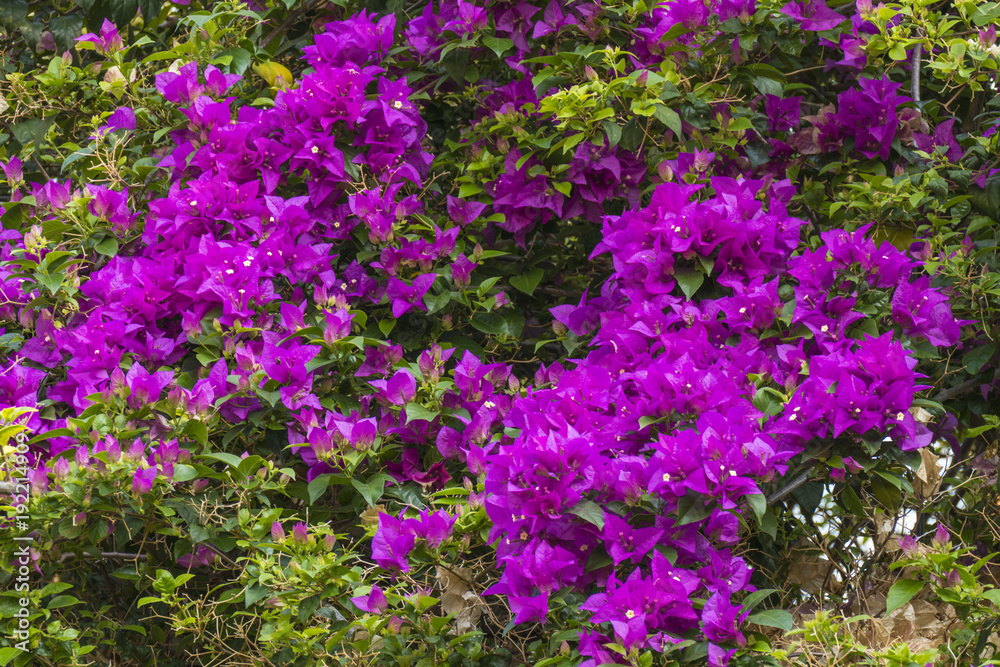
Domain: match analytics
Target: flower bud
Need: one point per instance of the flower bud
(988, 37)
(277, 532)
(665, 171)
(942, 537)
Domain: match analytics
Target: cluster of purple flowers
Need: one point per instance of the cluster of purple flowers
(588, 474)
(396, 538)
(151, 461)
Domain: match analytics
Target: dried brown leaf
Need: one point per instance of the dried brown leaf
(928, 476)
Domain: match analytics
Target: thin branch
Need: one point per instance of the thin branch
(950, 392)
(105, 555)
(915, 73)
(222, 555)
(793, 484)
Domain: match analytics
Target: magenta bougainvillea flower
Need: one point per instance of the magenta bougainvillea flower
(107, 41)
(142, 481)
(813, 15)
(374, 602)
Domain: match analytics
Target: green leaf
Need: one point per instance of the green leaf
(992, 422)
(852, 502)
(409, 494)
(63, 601)
(691, 508)
(435, 302)
(767, 86)
(197, 430)
(123, 11)
(809, 496)
(417, 411)
(901, 592)
(150, 9)
(371, 490)
(514, 319)
(73, 157)
(758, 503)
(318, 487)
(31, 131)
(892, 479)
(51, 283)
(183, 579)
(613, 131)
(65, 29)
(498, 45)
(632, 135)
(13, 13)
(496, 324)
(241, 59)
(769, 525)
(455, 64)
(732, 26)
(772, 618)
(993, 595)
(649, 420)
(31, 33)
(669, 117)
(55, 588)
(527, 282)
(689, 280)
(107, 247)
(164, 582)
(228, 459)
(590, 512)
(756, 598)
(255, 593)
(7, 654)
(184, 473)
(978, 357)
(740, 124)
(308, 607)
(887, 494)
(249, 466)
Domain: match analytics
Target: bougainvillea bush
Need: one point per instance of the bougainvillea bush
(553, 333)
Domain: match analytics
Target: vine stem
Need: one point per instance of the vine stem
(9, 487)
(105, 554)
(793, 484)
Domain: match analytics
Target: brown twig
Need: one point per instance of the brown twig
(951, 392)
(793, 484)
(9, 488)
(105, 555)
